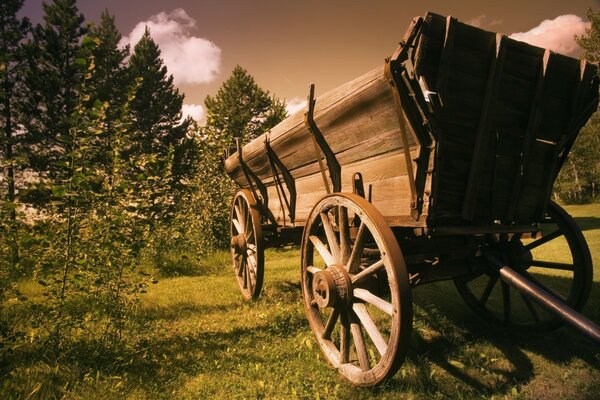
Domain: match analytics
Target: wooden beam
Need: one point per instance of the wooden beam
(580, 113)
(533, 126)
(483, 131)
(444, 67)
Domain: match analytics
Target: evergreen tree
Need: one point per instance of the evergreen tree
(13, 34)
(58, 65)
(242, 109)
(160, 153)
(110, 85)
(590, 42)
(579, 178)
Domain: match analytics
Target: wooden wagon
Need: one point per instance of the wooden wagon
(437, 165)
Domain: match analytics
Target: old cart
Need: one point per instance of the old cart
(437, 165)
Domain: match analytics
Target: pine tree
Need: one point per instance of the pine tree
(242, 109)
(58, 65)
(160, 152)
(110, 85)
(13, 34)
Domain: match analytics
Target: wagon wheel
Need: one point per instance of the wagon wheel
(559, 262)
(247, 248)
(355, 288)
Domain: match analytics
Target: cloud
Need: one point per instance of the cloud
(295, 104)
(480, 21)
(557, 34)
(196, 111)
(190, 59)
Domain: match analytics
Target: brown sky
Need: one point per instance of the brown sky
(286, 45)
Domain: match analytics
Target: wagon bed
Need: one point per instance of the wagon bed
(486, 121)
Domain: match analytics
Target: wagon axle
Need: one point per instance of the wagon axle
(546, 300)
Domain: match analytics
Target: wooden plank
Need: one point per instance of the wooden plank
(535, 118)
(483, 131)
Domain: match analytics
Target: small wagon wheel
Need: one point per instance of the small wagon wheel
(247, 248)
(355, 288)
(558, 262)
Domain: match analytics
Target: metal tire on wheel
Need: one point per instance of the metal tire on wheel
(559, 262)
(355, 289)
(247, 248)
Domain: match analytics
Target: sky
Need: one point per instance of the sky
(287, 44)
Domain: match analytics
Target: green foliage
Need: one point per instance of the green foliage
(579, 178)
(241, 109)
(590, 42)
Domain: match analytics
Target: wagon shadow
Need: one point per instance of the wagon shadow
(439, 308)
(587, 223)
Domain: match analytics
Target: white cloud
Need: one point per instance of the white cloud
(196, 111)
(190, 59)
(295, 104)
(557, 34)
(480, 21)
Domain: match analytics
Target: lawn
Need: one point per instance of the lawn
(198, 339)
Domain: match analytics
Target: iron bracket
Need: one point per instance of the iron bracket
(277, 169)
(335, 170)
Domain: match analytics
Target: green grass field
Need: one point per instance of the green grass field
(198, 339)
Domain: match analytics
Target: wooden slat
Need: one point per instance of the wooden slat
(533, 124)
(483, 131)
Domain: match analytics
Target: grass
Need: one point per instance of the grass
(195, 337)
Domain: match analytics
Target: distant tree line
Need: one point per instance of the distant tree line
(579, 179)
(99, 172)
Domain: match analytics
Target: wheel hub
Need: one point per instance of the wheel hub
(513, 253)
(239, 244)
(332, 288)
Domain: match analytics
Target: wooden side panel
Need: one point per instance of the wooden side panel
(536, 99)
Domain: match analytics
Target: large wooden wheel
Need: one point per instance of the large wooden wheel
(355, 288)
(559, 262)
(247, 247)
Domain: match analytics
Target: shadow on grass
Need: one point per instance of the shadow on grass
(458, 327)
(587, 223)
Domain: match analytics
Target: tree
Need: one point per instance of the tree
(580, 176)
(241, 109)
(160, 151)
(110, 84)
(57, 68)
(590, 42)
(13, 33)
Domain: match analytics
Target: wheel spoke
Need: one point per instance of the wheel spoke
(248, 277)
(530, 307)
(237, 225)
(241, 266)
(313, 270)
(543, 239)
(359, 344)
(552, 265)
(247, 219)
(240, 218)
(370, 298)
(244, 275)
(322, 250)
(488, 290)
(344, 339)
(542, 286)
(344, 235)
(370, 327)
(333, 317)
(367, 271)
(506, 300)
(332, 241)
(357, 251)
